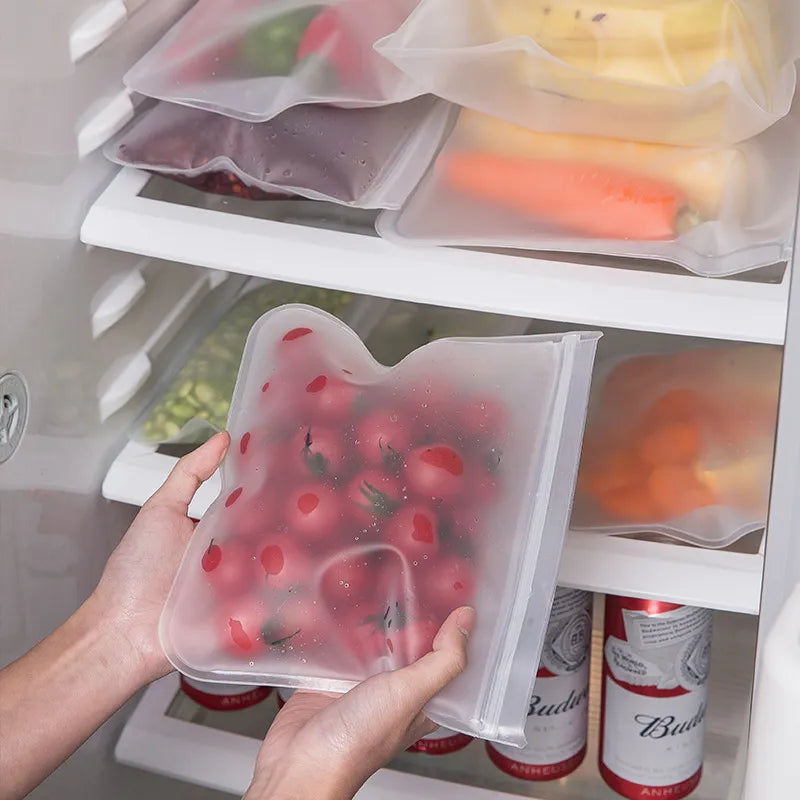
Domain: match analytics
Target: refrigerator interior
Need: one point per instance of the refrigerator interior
(108, 277)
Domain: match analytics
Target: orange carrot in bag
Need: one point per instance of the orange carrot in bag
(590, 200)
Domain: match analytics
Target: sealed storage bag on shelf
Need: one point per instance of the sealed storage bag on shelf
(361, 504)
(366, 157)
(252, 59)
(681, 444)
(714, 211)
(690, 72)
(194, 405)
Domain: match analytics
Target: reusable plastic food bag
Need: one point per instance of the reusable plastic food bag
(367, 157)
(194, 405)
(361, 504)
(252, 59)
(714, 211)
(690, 72)
(682, 445)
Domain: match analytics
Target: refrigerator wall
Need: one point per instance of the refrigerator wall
(82, 328)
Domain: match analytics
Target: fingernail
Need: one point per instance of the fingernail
(465, 620)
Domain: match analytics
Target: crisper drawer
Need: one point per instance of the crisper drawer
(170, 734)
(49, 122)
(143, 319)
(193, 397)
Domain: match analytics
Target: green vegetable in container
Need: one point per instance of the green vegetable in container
(271, 47)
(203, 388)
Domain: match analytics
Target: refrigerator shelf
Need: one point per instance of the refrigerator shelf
(570, 291)
(719, 579)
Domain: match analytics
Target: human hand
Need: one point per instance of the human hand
(139, 574)
(326, 746)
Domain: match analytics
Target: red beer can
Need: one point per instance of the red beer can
(558, 713)
(223, 696)
(441, 742)
(655, 671)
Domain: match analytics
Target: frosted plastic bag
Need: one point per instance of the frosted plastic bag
(194, 405)
(682, 445)
(713, 211)
(361, 504)
(691, 72)
(367, 157)
(252, 59)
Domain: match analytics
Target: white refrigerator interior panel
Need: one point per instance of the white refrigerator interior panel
(50, 119)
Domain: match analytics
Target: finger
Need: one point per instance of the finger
(191, 471)
(420, 681)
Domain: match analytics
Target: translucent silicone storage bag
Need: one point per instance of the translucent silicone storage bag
(689, 72)
(681, 444)
(367, 158)
(714, 211)
(252, 59)
(361, 504)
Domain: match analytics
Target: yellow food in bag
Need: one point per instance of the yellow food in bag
(657, 42)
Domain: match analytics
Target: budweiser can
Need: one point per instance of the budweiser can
(441, 742)
(655, 668)
(223, 696)
(283, 696)
(558, 711)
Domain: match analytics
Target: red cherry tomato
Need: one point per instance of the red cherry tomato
(286, 565)
(346, 581)
(254, 451)
(483, 488)
(330, 36)
(436, 472)
(447, 584)
(414, 530)
(382, 437)
(317, 451)
(211, 557)
(240, 623)
(413, 641)
(330, 399)
(365, 642)
(257, 517)
(485, 418)
(373, 495)
(299, 624)
(237, 570)
(314, 512)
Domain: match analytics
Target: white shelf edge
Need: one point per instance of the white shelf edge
(224, 761)
(689, 575)
(544, 289)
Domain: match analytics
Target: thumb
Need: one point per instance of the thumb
(190, 472)
(428, 676)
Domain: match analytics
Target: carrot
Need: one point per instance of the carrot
(594, 201)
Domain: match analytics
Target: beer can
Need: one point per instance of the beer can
(558, 713)
(653, 708)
